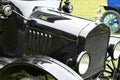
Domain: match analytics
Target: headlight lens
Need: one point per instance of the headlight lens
(83, 61)
(116, 52)
(7, 10)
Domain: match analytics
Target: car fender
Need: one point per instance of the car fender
(57, 69)
(111, 8)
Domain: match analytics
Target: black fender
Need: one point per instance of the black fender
(111, 8)
(114, 39)
(41, 63)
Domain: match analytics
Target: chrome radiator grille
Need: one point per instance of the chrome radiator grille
(39, 42)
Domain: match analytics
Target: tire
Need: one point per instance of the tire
(112, 19)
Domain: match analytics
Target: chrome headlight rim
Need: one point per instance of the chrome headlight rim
(116, 52)
(113, 44)
(80, 63)
(7, 10)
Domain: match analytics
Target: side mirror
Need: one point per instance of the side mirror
(68, 8)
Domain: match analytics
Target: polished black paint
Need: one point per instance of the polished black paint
(40, 65)
(24, 39)
(12, 37)
(66, 47)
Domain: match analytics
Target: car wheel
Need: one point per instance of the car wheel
(28, 76)
(28, 73)
(112, 69)
(112, 19)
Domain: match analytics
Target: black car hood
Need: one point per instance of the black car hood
(48, 9)
(63, 22)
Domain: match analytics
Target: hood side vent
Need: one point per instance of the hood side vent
(39, 42)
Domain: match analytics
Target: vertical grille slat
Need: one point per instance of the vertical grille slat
(39, 42)
(33, 41)
(49, 44)
(45, 43)
(30, 39)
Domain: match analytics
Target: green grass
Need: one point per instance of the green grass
(86, 8)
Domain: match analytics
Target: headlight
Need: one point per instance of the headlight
(83, 61)
(7, 10)
(114, 47)
(116, 52)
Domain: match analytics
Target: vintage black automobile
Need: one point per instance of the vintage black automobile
(36, 38)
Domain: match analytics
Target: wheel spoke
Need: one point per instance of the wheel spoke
(109, 16)
(46, 77)
(112, 28)
(115, 20)
(106, 18)
(106, 71)
(110, 67)
(112, 16)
